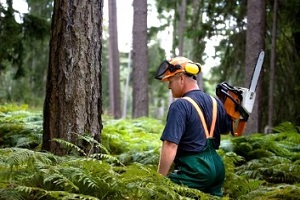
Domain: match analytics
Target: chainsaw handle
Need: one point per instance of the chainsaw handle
(240, 128)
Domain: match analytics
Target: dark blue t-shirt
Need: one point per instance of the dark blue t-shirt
(184, 126)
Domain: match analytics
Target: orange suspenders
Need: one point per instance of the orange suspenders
(214, 116)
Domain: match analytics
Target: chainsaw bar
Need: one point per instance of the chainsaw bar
(256, 72)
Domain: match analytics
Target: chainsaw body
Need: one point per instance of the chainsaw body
(239, 101)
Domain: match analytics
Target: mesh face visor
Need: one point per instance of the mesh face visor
(166, 70)
(162, 69)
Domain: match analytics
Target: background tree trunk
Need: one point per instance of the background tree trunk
(140, 59)
(73, 91)
(254, 44)
(198, 42)
(127, 89)
(181, 27)
(272, 68)
(114, 63)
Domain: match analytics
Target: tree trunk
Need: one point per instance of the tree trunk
(73, 92)
(140, 59)
(181, 27)
(196, 41)
(254, 43)
(114, 63)
(126, 93)
(272, 68)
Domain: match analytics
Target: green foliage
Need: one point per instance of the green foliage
(24, 51)
(20, 127)
(36, 27)
(236, 185)
(92, 148)
(11, 48)
(287, 127)
(134, 140)
(35, 175)
(264, 166)
(274, 192)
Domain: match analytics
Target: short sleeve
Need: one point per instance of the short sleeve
(175, 125)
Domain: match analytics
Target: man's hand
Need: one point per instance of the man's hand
(167, 155)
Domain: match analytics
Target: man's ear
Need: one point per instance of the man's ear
(181, 79)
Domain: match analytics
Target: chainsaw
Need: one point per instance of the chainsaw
(239, 101)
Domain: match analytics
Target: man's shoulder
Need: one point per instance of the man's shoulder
(180, 102)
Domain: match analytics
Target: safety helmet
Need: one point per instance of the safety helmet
(169, 68)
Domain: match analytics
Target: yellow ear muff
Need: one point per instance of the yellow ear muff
(192, 68)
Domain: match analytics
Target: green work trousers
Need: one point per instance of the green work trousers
(204, 171)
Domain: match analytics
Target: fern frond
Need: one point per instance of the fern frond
(85, 178)
(282, 173)
(29, 141)
(10, 194)
(45, 194)
(20, 156)
(122, 136)
(267, 192)
(273, 169)
(149, 157)
(69, 145)
(108, 158)
(238, 186)
(286, 127)
(60, 180)
(95, 173)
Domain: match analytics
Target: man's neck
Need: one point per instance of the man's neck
(191, 88)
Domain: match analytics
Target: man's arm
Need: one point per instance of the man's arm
(167, 156)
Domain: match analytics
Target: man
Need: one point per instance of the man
(185, 140)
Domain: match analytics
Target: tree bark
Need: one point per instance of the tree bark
(196, 23)
(254, 44)
(73, 91)
(140, 59)
(181, 27)
(272, 68)
(114, 63)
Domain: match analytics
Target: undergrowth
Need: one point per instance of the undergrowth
(257, 167)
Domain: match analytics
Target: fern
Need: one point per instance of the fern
(273, 169)
(70, 146)
(138, 135)
(20, 128)
(92, 145)
(236, 185)
(12, 107)
(97, 177)
(257, 166)
(143, 182)
(10, 194)
(273, 192)
(59, 178)
(24, 157)
(150, 157)
(45, 194)
(109, 158)
(286, 127)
